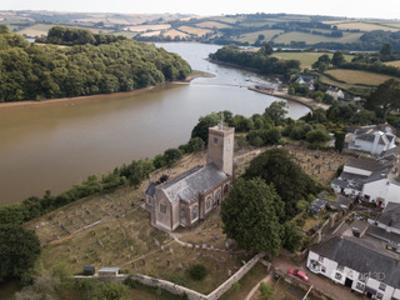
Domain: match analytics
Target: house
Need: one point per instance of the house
(350, 262)
(108, 272)
(374, 139)
(335, 93)
(371, 180)
(190, 197)
(306, 80)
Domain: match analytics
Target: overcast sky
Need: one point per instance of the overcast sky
(349, 8)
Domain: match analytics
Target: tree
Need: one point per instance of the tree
(385, 99)
(292, 237)
(289, 180)
(19, 249)
(201, 129)
(317, 137)
(250, 216)
(266, 49)
(276, 112)
(386, 50)
(198, 272)
(340, 137)
(338, 59)
(172, 156)
(195, 145)
(322, 63)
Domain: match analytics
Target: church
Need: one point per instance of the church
(191, 196)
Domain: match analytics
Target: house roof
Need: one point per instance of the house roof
(364, 163)
(382, 234)
(318, 204)
(190, 184)
(347, 252)
(391, 215)
(151, 189)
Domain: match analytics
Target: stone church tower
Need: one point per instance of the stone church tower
(220, 147)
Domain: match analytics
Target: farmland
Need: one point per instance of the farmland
(306, 58)
(308, 38)
(37, 30)
(144, 28)
(212, 25)
(358, 77)
(194, 30)
(366, 26)
(395, 63)
(252, 37)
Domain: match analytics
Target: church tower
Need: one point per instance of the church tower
(220, 147)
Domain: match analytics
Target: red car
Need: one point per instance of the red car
(299, 274)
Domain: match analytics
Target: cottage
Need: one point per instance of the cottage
(336, 94)
(348, 261)
(307, 81)
(374, 139)
(371, 180)
(191, 196)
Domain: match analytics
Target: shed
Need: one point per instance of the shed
(317, 206)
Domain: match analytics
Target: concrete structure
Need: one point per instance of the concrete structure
(371, 180)
(191, 196)
(108, 272)
(347, 261)
(374, 139)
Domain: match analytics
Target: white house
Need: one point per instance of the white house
(374, 139)
(336, 94)
(348, 262)
(306, 80)
(373, 180)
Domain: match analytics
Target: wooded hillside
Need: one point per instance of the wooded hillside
(31, 71)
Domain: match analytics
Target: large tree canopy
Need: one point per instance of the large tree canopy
(19, 249)
(385, 99)
(292, 184)
(250, 216)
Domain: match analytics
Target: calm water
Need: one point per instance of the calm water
(54, 146)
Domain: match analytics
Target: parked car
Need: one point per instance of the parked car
(299, 274)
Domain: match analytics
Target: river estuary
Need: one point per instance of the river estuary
(55, 145)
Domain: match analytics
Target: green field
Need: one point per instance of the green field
(309, 38)
(354, 77)
(306, 58)
(42, 29)
(252, 36)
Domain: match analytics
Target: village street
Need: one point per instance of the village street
(327, 287)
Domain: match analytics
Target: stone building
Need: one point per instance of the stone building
(192, 195)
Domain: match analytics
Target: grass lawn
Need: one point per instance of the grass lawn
(244, 286)
(287, 38)
(306, 58)
(358, 77)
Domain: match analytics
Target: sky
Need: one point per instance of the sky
(389, 9)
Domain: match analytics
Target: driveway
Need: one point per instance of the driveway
(326, 286)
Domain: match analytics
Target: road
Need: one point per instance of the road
(326, 286)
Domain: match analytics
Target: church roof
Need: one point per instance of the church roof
(187, 186)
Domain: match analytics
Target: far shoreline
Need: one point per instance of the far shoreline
(26, 103)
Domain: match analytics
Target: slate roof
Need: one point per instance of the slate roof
(317, 205)
(354, 255)
(151, 189)
(382, 234)
(190, 184)
(391, 215)
(368, 164)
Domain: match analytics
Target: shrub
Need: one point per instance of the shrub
(266, 291)
(198, 272)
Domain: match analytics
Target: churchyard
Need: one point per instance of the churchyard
(114, 230)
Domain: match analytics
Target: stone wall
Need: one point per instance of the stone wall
(193, 295)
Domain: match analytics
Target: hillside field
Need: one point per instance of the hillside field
(252, 36)
(306, 58)
(358, 77)
(287, 38)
